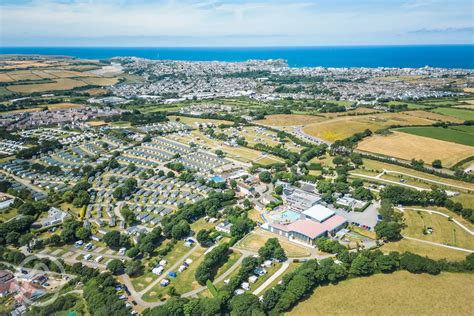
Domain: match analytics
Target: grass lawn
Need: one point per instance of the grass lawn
(444, 231)
(464, 137)
(140, 283)
(467, 200)
(422, 249)
(233, 257)
(254, 242)
(408, 294)
(7, 214)
(201, 224)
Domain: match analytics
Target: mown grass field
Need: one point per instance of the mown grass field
(426, 250)
(444, 231)
(400, 293)
(406, 146)
(434, 116)
(254, 242)
(455, 134)
(462, 114)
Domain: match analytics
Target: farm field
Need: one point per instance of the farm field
(462, 114)
(342, 127)
(289, 120)
(444, 231)
(406, 146)
(447, 134)
(60, 106)
(448, 294)
(434, 116)
(59, 84)
(376, 167)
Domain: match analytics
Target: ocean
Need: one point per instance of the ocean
(446, 56)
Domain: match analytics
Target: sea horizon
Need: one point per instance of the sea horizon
(338, 56)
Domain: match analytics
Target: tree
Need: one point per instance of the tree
(362, 266)
(219, 153)
(116, 240)
(279, 190)
(132, 252)
(265, 177)
(116, 267)
(13, 238)
(83, 233)
(181, 230)
(128, 215)
(390, 231)
(82, 198)
(27, 209)
(134, 268)
(437, 164)
(204, 238)
(245, 305)
(363, 194)
(388, 263)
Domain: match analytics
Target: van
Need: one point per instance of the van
(78, 243)
(99, 259)
(87, 257)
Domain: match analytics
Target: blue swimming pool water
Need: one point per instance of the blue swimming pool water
(289, 215)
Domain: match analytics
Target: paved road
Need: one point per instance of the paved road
(272, 278)
(376, 178)
(430, 180)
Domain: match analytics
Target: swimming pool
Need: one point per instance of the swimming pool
(287, 216)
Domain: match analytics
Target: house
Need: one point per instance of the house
(7, 283)
(55, 216)
(5, 202)
(224, 227)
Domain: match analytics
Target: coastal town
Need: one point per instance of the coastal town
(139, 185)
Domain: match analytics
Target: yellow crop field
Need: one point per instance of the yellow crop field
(59, 84)
(407, 146)
(289, 120)
(345, 126)
(408, 294)
(60, 106)
(68, 74)
(23, 75)
(469, 90)
(5, 78)
(96, 81)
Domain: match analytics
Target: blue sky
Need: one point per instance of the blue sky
(235, 22)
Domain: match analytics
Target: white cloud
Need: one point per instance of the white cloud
(299, 22)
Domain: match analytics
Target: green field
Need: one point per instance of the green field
(458, 134)
(458, 113)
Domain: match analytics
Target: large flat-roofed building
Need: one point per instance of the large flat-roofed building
(299, 200)
(317, 221)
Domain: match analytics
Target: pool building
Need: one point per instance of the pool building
(306, 226)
